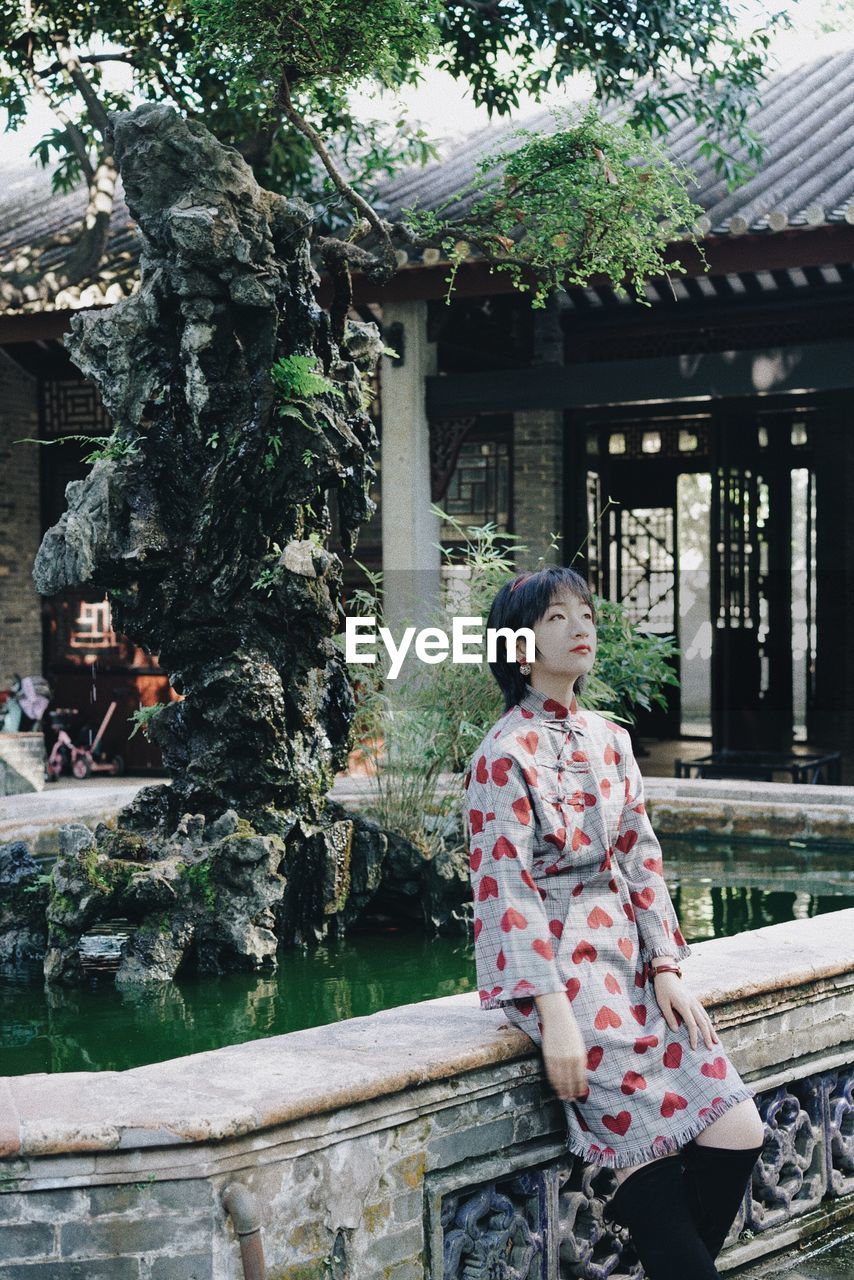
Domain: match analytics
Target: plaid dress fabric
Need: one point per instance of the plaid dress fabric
(569, 896)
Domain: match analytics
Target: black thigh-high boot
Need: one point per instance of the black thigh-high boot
(716, 1178)
(653, 1204)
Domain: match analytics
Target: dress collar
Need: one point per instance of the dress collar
(543, 707)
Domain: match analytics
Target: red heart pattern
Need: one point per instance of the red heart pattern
(522, 810)
(607, 1017)
(672, 1056)
(709, 1111)
(519, 832)
(501, 770)
(584, 951)
(619, 1123)
(632, 1081)
(488, 888)
(643, 898)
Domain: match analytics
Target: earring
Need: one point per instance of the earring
(524, 668)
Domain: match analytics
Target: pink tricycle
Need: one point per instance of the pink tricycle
(81, 760)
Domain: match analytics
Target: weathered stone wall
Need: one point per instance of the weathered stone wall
(729, 809)
(367, 1143)
(20, 524)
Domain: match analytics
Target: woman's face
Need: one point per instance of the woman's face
(565, 638)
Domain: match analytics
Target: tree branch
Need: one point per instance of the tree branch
(352, 196)
(72, 69)
(127, 57)
(75, 138)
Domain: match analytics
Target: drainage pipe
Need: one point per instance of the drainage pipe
(242, 1207)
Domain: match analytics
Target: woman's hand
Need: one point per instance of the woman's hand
(674, 998)
(564, 1053)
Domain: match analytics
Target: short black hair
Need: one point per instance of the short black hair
(520, 603)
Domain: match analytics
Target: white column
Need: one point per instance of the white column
(409, 530)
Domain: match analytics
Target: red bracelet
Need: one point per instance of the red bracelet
(666, 968)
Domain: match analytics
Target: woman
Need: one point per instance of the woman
(577, 941)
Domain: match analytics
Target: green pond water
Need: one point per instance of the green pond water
(717, 890)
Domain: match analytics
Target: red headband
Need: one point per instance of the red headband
(519, 581)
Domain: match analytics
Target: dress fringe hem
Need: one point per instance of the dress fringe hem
(665, 1146)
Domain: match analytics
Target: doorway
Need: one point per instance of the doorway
(702, 523)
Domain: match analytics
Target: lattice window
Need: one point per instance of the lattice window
(647, 567)
(73, 406)
(592, 549)
(479, 488)
(650, 440)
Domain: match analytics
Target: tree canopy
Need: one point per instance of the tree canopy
(276, 79)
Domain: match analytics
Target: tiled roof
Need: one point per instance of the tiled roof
(806, 123)
(33, 219)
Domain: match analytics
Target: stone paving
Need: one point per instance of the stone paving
(831, 1259)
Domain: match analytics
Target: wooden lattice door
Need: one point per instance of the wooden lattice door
(751, 584)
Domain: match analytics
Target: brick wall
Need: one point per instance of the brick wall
(538, 484)
(20, 524)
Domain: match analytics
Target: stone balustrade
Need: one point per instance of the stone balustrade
(419, 1143)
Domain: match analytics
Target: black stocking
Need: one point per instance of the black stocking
(653, 1204)
(715, 1180)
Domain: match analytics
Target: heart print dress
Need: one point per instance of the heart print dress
(569, 896)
